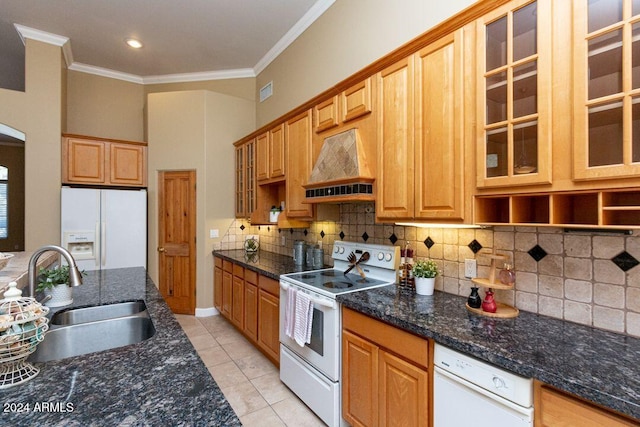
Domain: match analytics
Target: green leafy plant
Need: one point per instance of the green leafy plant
(425, 268)
(49, 278)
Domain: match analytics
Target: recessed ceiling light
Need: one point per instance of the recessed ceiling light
(136, 44)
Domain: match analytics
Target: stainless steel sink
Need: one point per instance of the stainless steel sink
(89, 336)
(74, 316)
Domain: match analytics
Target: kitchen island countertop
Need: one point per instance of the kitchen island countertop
(160, 381)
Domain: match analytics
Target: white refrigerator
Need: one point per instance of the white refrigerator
(104, 228)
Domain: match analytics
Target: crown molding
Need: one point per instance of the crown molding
(239, 73)
(105, 72)
(45, 37)
(305, 22)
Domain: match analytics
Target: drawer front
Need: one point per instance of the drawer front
(238, 271)
(250, 276)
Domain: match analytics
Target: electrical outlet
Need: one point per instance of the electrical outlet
(470, 268)
(283, 241)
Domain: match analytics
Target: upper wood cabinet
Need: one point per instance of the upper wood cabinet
(421, 135)
(298, 137)
(394, 182)
(514, 95)
(350, 104)
(606, 89)
(271, 148)
(95, 161)
(245, 179)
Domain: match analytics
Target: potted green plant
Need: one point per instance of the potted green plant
(55, 282)
(425, 272)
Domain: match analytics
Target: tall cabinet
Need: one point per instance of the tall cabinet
(421, 137)
(245, 179)
(514, 95)
(606, 89)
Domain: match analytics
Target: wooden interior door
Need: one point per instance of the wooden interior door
(177, 239)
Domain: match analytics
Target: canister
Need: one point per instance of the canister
(299, 252)
(318, 258)
(309, 258)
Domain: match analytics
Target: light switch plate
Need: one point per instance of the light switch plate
(214, 233)
(470, 268)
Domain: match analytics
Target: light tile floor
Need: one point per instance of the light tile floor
(249, 381)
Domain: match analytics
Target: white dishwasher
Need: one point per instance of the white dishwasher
(467, 391)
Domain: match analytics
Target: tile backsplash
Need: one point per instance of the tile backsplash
(587, 277)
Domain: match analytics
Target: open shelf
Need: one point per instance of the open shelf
(605, 209)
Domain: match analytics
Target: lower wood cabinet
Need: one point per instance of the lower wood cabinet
(251, 302)
(556, 408)
(385, 374)
(237, 297)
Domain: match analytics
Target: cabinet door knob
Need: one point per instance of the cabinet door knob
(160, 249)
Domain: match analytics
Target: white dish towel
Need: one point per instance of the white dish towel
(303, 319)
(289, 312)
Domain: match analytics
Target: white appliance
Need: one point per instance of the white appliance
(104, 228)
(467, 391)
(313, 371)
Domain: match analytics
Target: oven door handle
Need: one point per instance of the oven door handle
(325, 303)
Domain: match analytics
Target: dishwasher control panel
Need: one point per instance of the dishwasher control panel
(491, 378)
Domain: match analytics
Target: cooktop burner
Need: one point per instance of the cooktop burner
(329, 273)
(338, 285)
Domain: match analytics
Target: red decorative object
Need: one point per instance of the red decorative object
(489, 304)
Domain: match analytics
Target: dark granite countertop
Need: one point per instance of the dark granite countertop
(160, 381)
(266, 263)
(600, 366)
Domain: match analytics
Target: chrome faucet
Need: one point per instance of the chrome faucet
(75, 277)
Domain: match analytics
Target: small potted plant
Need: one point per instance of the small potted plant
(55, 282)
(425, 272)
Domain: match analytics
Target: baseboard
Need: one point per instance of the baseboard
(206, 312)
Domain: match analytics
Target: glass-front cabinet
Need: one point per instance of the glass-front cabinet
(245, 179)
(514, 95)
(607, 89)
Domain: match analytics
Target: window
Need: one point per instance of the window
(4, 188)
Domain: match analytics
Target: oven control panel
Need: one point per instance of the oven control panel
(380, 256)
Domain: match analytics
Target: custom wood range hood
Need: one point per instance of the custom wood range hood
(341, 173)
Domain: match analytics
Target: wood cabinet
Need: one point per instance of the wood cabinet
(227, 288)
(268, 317)
(270, 162)
(514, 48)
(95, 161)
(350, 104)
(421, 161)
(251, 302)
(217, 283)
(385, 374)
(606, 90)
(237, 297)
(245, 179)
(298, 136)
(556, 408)
(394, 181)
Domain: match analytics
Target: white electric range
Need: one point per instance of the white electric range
(313, 371)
